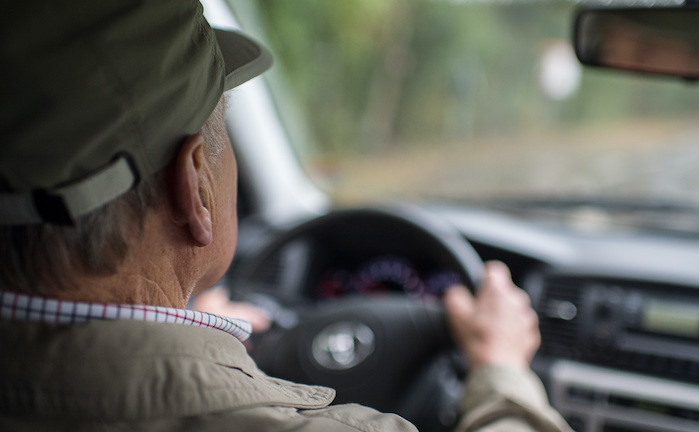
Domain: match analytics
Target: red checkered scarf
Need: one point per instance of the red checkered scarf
(21, 307)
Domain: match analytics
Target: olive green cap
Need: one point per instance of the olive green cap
(98, 94)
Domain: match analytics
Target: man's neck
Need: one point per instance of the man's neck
(162, 277)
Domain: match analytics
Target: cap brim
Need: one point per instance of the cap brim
(245, 58)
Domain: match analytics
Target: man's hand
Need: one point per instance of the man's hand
(498, 326)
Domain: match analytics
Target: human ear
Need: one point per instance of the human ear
(190, 190)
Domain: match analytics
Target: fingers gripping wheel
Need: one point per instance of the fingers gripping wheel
(390, 352)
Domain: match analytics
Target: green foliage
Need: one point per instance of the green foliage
(373, 74)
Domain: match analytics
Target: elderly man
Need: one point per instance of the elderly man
(118, 202)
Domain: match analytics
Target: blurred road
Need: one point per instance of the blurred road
(655, 159)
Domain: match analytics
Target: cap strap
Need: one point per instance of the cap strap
(62, 205)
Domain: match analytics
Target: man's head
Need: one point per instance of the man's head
(46, 258)
(99, 98)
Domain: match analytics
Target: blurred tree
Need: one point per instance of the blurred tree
(375, 75)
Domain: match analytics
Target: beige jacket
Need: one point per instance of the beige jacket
(136, 376)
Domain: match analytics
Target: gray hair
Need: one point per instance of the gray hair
(43, 258)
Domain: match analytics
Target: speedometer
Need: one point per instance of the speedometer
(387, 274)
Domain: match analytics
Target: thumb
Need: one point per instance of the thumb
(459, 302)
(460, 308)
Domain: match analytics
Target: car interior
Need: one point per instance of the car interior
(353, 288)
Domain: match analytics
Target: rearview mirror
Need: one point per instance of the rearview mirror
(662, 41)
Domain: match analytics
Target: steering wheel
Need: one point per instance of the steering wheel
(392, 352)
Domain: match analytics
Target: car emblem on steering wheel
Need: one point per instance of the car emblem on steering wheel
(343, 345)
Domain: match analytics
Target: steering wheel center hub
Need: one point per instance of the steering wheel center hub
(343, 345)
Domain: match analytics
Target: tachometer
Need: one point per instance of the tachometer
(333, 284)
(438, 282)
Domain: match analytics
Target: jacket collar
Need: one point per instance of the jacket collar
(126, 370)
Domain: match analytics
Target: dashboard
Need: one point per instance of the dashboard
(619, 318)
(618, 310)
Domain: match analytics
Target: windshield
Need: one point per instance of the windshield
(475, 101)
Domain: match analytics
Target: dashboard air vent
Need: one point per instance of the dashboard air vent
(559, 316)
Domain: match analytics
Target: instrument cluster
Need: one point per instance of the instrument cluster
(382, 275)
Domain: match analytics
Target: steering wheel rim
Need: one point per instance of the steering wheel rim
(371, 350)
